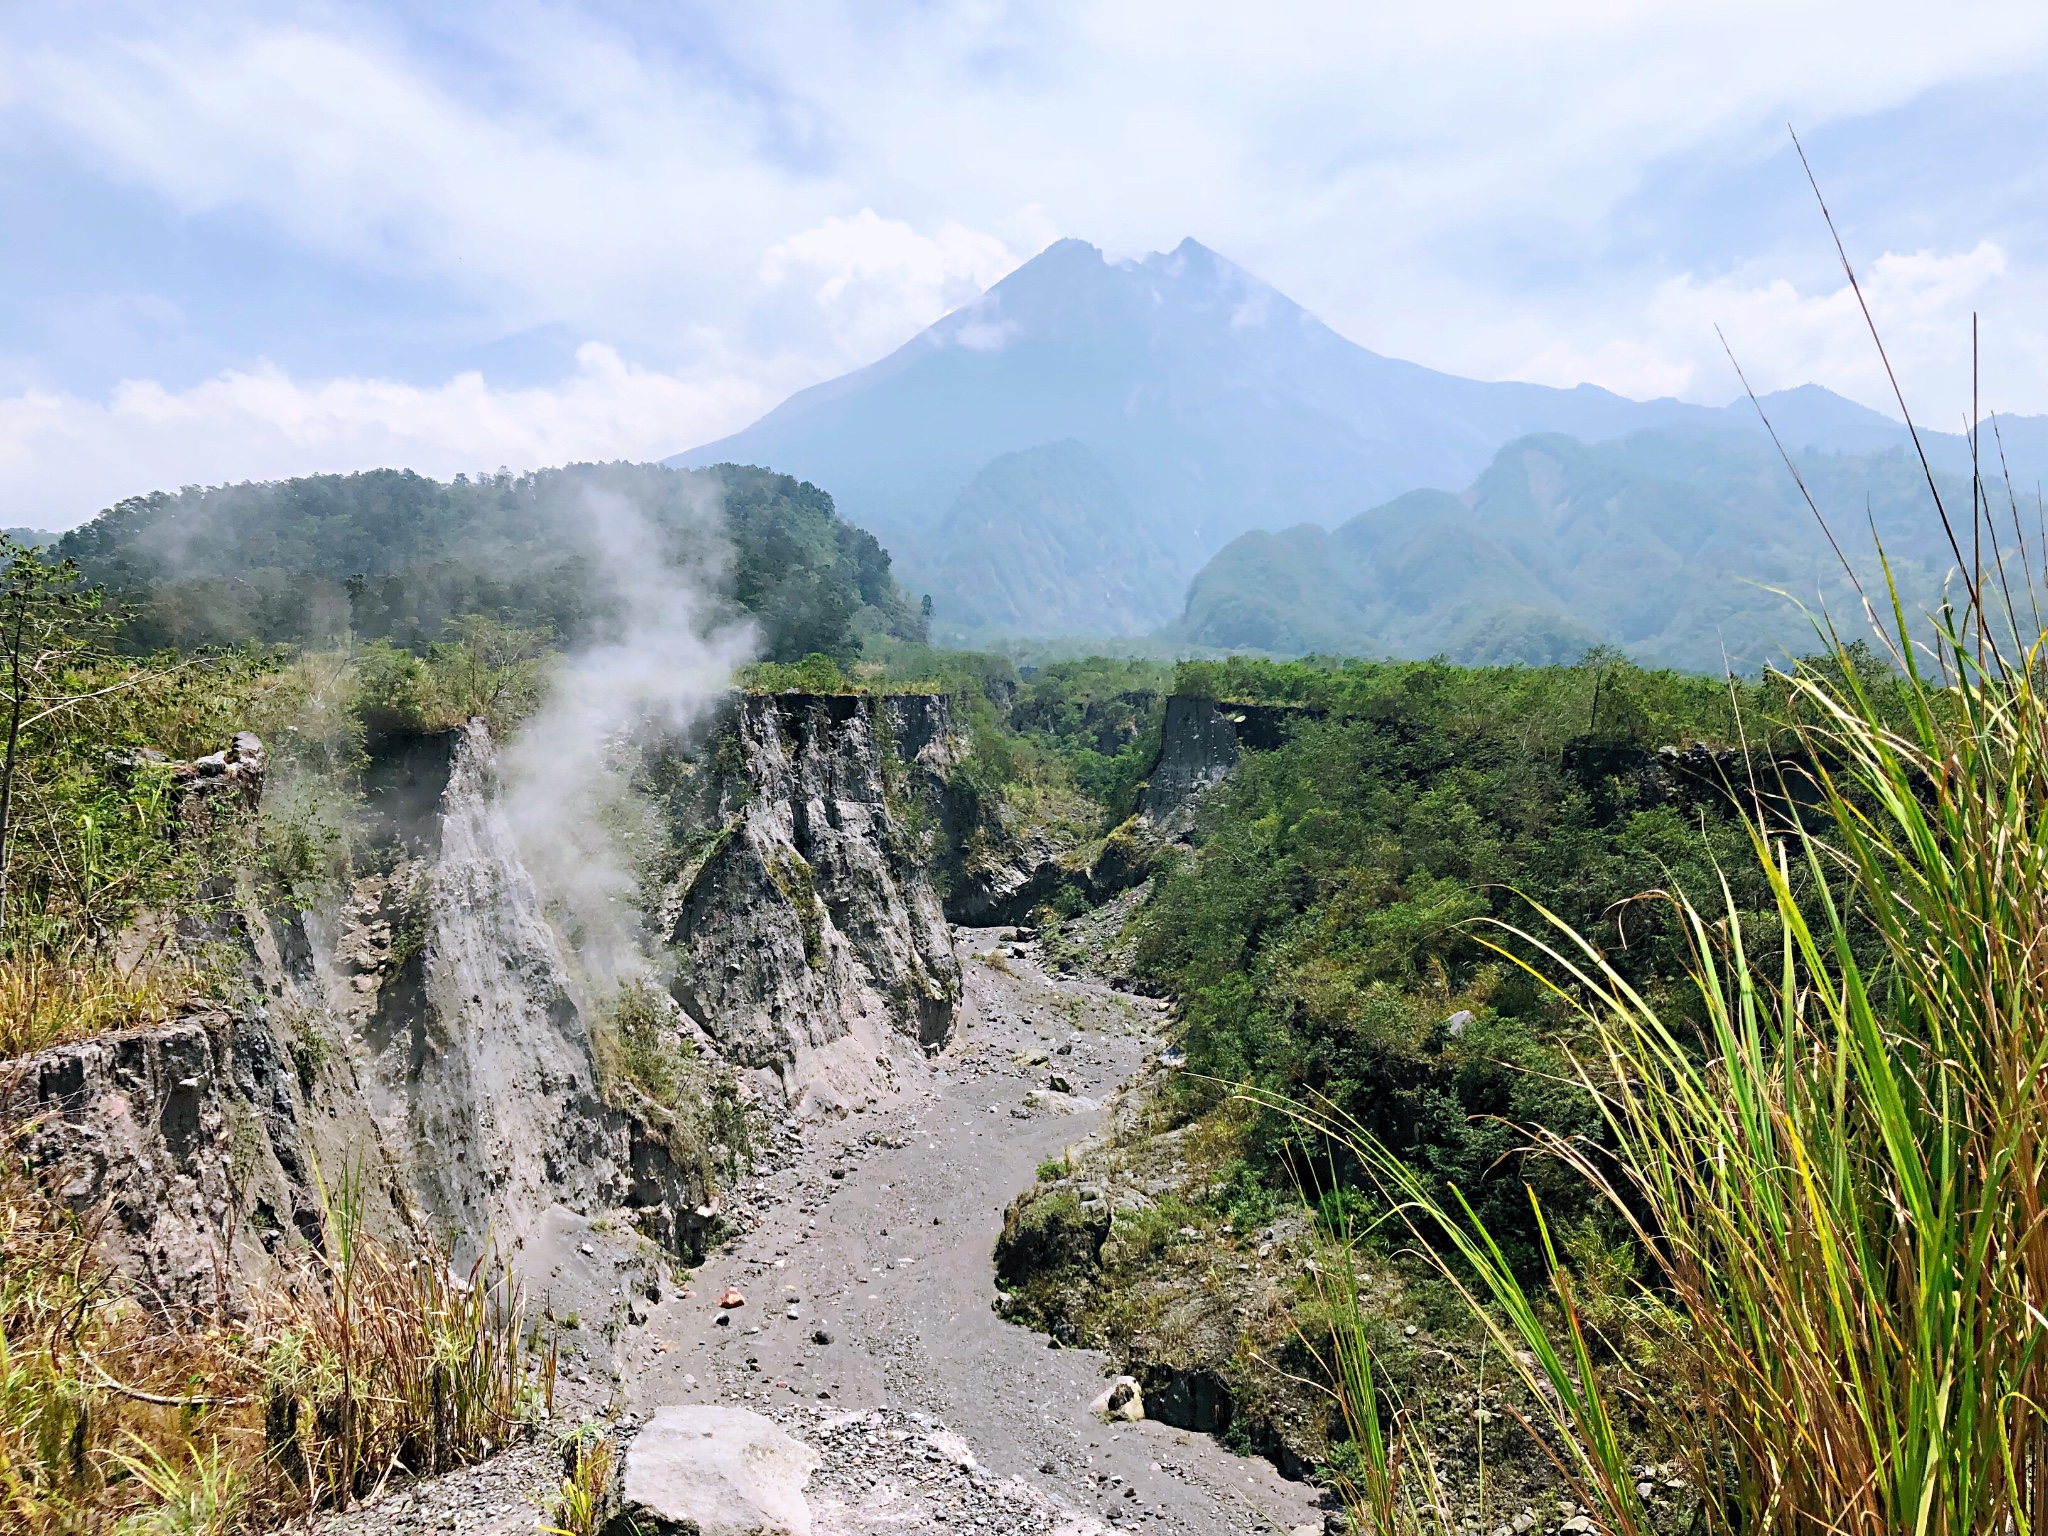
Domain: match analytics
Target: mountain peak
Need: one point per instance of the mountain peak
(1209, 400)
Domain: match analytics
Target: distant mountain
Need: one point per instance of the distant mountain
(1667, 543)
(1214, 403)
(1044, 542)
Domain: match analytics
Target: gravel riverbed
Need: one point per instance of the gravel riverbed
(869, 1330)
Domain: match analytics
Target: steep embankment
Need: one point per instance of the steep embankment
(427, 1036)
(807, 933)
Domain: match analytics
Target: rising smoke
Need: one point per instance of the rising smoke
(660, 664)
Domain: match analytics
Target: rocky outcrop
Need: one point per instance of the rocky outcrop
(808, 931)
(137, 1125)
(196, 1144)
(475, 1054)
(429, 1039)
(1199, 745)
(1197, 748)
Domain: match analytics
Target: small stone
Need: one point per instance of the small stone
(821, 1336)
(732, 1298)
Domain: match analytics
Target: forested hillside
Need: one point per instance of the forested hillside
(1044, 542)
(1686, 549)
(389, 554)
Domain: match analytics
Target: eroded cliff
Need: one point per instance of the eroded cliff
(808, 936)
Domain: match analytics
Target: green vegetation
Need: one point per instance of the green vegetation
(647, 1064)
(587, 1460)
(1831, 1155)
(1043, 542)
(1674, 544)
(1323, 933)
(99, 835)
(390, 555)
(354, 1362)
(1101, 718)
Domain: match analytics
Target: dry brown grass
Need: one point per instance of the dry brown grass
(348, 1369)
(48, 1000)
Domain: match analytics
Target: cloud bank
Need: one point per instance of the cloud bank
(267, 240)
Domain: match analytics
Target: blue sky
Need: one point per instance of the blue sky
(238, 242)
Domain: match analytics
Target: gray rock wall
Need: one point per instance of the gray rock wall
(477, 1058)
(1200, 742)
(1197, 748)
(200, 1145)
(426, 1041)
(809, 933)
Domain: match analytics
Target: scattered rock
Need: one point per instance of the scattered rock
(732, 1298)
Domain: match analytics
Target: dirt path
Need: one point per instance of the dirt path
(878, 1236)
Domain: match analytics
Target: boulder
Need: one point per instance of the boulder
(704, 1471)
(1194, 1398)
(1123, 1400)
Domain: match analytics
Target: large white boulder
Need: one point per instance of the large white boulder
(704, 1471)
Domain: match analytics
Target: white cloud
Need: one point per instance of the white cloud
(745, 199)
(878, 280)
(63, 458)
(1921, 302)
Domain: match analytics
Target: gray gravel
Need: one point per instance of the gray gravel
(931, 1413)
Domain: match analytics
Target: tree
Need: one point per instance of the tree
(50, 622)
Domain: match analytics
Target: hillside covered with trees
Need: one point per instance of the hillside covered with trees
(392, 555)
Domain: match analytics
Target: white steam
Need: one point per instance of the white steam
(661, 664)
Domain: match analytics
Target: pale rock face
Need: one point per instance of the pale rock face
(1198, 748)
(430, 1033)
(480, 1064)
(810, 930)
(705, 1471)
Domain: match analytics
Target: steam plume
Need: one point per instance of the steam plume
(662, 663)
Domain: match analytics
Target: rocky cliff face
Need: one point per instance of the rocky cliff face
(475, 1054)
(1199, 745)
(429, 1037)
(808, 934)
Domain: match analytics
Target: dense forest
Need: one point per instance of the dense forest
(391, 555)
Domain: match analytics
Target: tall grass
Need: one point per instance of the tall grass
(1839, 1174)
(51, 999)
(1838, 1178)
(353, 1366)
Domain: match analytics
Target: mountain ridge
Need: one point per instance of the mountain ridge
(1684, 548)
(1216, 404)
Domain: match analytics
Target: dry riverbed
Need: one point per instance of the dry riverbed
(868, 1330)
